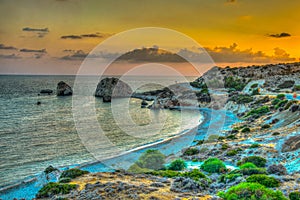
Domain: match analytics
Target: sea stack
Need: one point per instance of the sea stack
(63, 89)
(108, 88)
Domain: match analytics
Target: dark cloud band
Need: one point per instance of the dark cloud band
(33, 50)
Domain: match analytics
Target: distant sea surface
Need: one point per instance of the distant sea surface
(32, 137)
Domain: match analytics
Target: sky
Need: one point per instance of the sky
(54, 36)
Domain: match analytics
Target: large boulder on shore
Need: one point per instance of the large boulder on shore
(63, 89)
(112, 87)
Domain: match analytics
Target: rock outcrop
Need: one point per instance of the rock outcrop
(109, 88)
(63, 89)
(291, 144)
(46, 91)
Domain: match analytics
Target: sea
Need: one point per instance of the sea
(32, 136)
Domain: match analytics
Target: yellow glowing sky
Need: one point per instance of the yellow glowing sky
(212, 23)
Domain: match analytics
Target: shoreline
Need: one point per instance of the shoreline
(31, 185)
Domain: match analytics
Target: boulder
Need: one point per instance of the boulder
(291, 144)
(63, 89)
(108, 88)
(277, 169)
(294, 108)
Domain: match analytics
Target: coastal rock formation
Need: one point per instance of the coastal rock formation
(112, 87)
(63, 89)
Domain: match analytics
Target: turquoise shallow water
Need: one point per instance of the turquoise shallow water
(34, 137)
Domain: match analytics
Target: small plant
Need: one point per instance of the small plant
(151, 159)
(51, 189)
(191, 151)
(248, 165)
(296, 88)
(258, 161)
(251, 171)
(224, 146)
(294, 195)
(275, 101)
(255, 85)
(263, 179)
(276, 133)
(231, 137)
(232, 152)
(259, 111)
(177, 165)
(255, 92)
(73, 173)
(281, 104)
(280, 96)
(251, 191)
(213, 165)
(265, 126)
(228, 177)
(255, 145)
(245, 130)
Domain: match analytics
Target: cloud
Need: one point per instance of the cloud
(92, 35)
(80, 55)
(71, 37)
(233, 54)
(40, 32)
(9, 56)
(281, 35)
(33, 50)
(2, 46)
(36, 29)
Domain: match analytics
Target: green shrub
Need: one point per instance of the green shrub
(73, 173)
(232, 152)
(151, 159)
(280, 96)
(263, 179)
(276, 133)
(231, 137)
(281, 104)
(294, 195)
(196, 84)
(65, 180)
(255, 85)
(275, 101)
(165, 173)
(258, 161)
(224, 146)
(251, 191)
(250, 171)
(177, 165)
(248, 165)
(235, 83)
(195, 174)
(245, 130)
(242, 99)
(51, 189)
(213, 165)
(296, 88)
(255, 92)
(265, 126)
(135, 168)
(191, 151)
(259, 111)
(255, 145)
(228, 177)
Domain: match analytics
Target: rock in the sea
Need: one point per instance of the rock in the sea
(46, 91)
(294, 108)
(63, 89)
(112, 87)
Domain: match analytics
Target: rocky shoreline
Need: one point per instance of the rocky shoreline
(263, 148)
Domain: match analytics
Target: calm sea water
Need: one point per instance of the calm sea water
(33, 137)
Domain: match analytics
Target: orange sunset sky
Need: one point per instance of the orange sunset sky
(54, 36)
